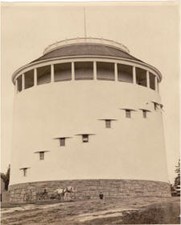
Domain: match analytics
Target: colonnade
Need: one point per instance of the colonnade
(21, 85)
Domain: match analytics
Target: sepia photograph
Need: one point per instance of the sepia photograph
(90, 113)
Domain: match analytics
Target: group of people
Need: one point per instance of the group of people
(61, 194)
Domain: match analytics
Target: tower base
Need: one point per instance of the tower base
(89, 189)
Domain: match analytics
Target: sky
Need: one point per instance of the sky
(149, 30)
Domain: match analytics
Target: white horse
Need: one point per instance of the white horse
(63, 192)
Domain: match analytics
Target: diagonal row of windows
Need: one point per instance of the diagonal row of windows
(85, 137)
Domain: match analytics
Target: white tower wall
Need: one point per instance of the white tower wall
(132, 149)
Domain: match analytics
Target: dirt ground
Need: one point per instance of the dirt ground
(95, 212)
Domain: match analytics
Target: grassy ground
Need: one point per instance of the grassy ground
(95, 212)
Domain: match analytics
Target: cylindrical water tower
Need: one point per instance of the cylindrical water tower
(88, 114)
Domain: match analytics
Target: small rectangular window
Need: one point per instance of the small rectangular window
(85, 138)
(145, 113)
(128, 113)
(42, 155)
(24, 170)
(108, 123)
(62, 141)
(156, 106)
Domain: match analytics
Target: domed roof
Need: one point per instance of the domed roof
(86, 47)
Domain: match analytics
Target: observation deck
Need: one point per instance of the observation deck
(86, 59)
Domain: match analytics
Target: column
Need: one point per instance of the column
(95, 70)
(23, 81)
(147, 79)
(116, 71)
(52, 72)
(134, 75)
(73, 70)
(35, 77)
